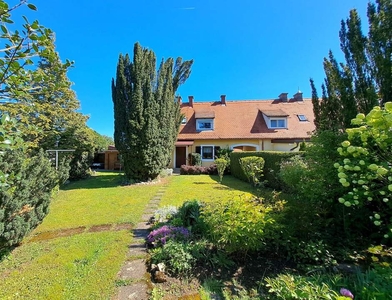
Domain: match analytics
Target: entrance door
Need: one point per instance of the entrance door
(180, 156)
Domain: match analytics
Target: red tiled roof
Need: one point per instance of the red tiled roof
(244, 120)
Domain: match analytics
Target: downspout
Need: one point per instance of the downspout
(295, 146)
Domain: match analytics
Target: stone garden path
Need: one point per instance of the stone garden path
(133, 279)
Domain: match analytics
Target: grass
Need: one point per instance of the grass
(96, 201)
(204, 188)
(70, 261)
(82, 265)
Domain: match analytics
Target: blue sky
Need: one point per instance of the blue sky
(248, 49)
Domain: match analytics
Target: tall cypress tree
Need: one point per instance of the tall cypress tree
(146, 113)
(364, 80)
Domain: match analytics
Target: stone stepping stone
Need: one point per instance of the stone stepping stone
(137, 250)
(133, 270)
(140, 233)
(137, 291)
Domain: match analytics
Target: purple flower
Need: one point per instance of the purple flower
(346, 293)
(161, 235)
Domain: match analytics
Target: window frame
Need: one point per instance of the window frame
(200, 148)
(277, 120)
(199, 121)
(302, 118)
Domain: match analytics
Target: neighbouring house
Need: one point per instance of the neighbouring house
(255, 125)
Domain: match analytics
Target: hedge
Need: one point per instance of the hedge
(271, 166)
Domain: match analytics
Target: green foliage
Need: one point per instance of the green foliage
(63, 170)
(221, 165)
(225, 154)
(365, 77)
(25, 203)
(311, 253)
(365, 169)
(177, 256)
(147, 115)
(20, 47)
(189, 216)
(80, 165)
(9, 140)
(237, 225)
(164, 214)
(253, 168)
(272, 160)
(194, 159)
(374, 283)
(293, 174)
(286, 286)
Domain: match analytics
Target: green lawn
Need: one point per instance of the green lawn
(63, 258)
(83, 265)
(204, 188)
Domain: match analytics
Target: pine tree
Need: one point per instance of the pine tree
(364, 80)
(147, 115)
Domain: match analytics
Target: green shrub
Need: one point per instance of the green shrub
(293, 174)
(221, 165)
(287, 286)
(236, 225)
(272, 161)
(25, 203)
(225, 154)
(374, 283)
(188, 215)
(177, 256)
(80, 165)
(365, 171)
(63, 170)
(194, 159)
(253, 168)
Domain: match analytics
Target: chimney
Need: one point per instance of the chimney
(190, 98)
(223, 99)
(298, 96)
(283, 97)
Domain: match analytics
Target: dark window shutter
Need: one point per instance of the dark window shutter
(198, 149)
(217, 148)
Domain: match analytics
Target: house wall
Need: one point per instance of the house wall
(247, 145)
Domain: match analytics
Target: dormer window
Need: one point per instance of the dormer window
(278, 123)
(204, 124)
(275, 119)
(204, 120)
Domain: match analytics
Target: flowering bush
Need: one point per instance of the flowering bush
(160, 236)
(366, 168)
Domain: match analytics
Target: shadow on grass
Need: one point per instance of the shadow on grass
(98, 181)
(230, 182)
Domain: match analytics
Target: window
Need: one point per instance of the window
(205, 124)
(278, 123)
(302, 118)
(207, 152)
(183, 121)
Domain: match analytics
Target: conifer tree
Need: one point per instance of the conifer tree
(364, 80)
(147, 115)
